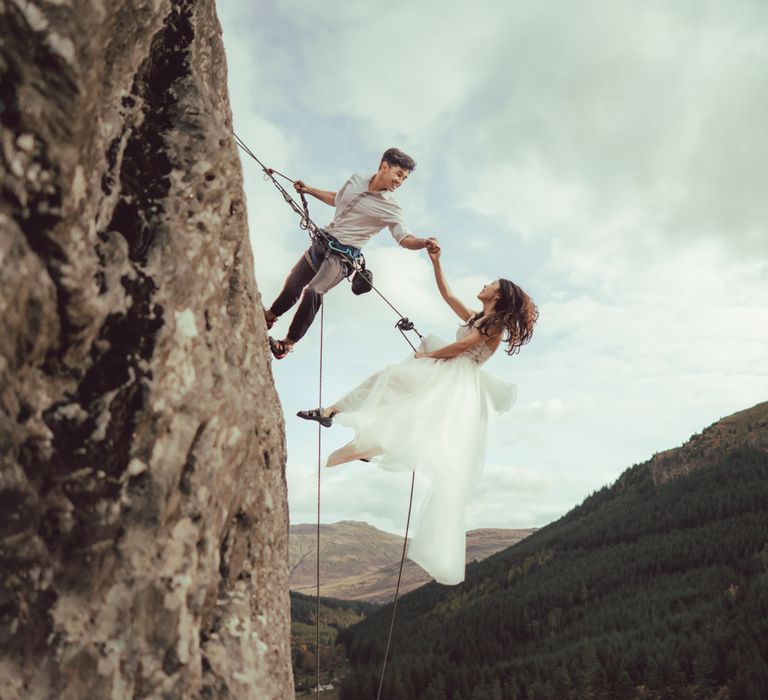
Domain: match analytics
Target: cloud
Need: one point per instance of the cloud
(505, 479)
(516, 496)
(633, 122)
(609, 157)
(354, 491)
(397, 70)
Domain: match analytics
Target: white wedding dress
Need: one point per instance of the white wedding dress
(431, 416)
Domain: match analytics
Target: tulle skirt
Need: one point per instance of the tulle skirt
(430, 416)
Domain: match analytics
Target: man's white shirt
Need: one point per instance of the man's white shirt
(361, 214)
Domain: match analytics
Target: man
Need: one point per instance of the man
(364, 206)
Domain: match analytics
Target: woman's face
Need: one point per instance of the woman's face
(489, 291)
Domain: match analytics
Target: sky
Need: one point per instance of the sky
(607, 156)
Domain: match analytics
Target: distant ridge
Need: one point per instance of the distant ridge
(360, 562)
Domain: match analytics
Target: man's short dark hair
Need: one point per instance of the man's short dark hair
(394, 156)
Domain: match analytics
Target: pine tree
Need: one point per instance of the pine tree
(561, 681)
(511, 690)
(704, 670)
(436, 688)
(479, 693)
(350, 690)
(624, 688)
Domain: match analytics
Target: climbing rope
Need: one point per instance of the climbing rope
(405, 542)
(403, 325)
(397, 590)
(319, 469)
(306, 223)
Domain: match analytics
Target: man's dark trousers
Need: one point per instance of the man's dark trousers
(315, 280)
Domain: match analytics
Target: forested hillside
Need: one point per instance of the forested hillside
(654, 587)
(335, 615)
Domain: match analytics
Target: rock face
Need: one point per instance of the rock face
(143, 515)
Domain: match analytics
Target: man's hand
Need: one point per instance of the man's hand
(302, 187)
(432, 246)
(411, 242)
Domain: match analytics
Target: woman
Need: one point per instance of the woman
(429, 414)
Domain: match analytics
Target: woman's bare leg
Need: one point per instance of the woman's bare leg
(349, 453)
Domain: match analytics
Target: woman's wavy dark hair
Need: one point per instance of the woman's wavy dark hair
(515, 316)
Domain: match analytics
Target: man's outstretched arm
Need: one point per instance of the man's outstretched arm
(412, 242)
(323, 195)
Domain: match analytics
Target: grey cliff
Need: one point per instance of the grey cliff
(143, 513)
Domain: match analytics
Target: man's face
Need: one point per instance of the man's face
(393, 175)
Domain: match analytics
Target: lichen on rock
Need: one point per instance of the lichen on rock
(143, 514)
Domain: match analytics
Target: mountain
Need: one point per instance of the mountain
(359, 562)
(654, 587)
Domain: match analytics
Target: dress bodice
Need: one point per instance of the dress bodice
(480, 352)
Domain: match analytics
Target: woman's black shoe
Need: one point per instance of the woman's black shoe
(314, 414)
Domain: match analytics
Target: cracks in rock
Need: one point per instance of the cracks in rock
(146, 165)
(31, 189)
(117, 380)
(235, 548)
(30, 195)
(76, 476)
(187, 472)
(116, 383)
(171, 663)
(233, 301)
(108, 179)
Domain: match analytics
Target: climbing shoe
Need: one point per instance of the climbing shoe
(314, 414)
(279, 348)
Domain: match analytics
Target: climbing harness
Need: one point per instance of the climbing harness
(362, 282)
(362, 277)
(348, 251)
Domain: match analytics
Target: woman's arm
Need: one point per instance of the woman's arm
(475, 337)
(445, 291)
